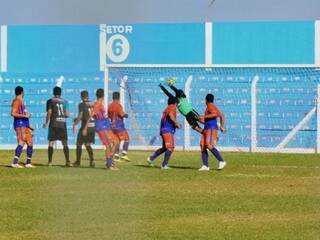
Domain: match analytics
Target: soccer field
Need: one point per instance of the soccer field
(257, 196)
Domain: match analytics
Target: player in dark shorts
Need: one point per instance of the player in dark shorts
(184, 107)
(85, 111)
(57, 113)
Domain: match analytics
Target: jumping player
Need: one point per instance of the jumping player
(184, 107)
(22, 127)
(103, 129)
(117, 115)
(209, 137)
(168, 127)
(85, 109)
(57, 113)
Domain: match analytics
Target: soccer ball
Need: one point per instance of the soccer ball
(171, 81)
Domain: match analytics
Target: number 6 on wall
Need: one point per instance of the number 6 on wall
(118, 48)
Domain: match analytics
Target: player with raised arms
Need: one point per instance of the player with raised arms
(103, 129)
(184, 106)
(57, 113)
(22, 127)
(168, 127)
(117, 115)
(209, 137)
(85, 110)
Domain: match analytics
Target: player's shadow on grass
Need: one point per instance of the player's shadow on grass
(145, 166)
(5, 166)
(34, 164)
(171, 166)
(46, 165)
(73, 167)
(184, 167)
(40, 164)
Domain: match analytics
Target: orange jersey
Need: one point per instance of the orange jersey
(99, 111)
(115, 110)
(213, 111)
(18, 107)
(167, 125)
(116, 114)
(102, 122)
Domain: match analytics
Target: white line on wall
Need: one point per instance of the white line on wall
(317, 43)
(208, 43)
(103, 41)
(4, 47)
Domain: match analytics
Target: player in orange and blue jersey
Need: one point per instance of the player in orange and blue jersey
(22, 127)
(103, 129)
(168, 127)
(209, 137)
(117, 115)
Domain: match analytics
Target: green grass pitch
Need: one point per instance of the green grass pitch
(257, 196)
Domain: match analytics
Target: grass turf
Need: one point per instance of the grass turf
(257, 196)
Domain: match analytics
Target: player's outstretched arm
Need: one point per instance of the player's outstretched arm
(76, 121)
(66, 109)
(179, 92)
(48, 116)
(165, 91)
(49, 113)
(174, 88)
(222, 122)
(122, 113)
(221, 117)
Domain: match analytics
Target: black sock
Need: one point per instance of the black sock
(79, 152)
(66, 153)
(90, 152)
(50, 154)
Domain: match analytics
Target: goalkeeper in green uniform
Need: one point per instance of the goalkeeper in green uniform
(184, 107)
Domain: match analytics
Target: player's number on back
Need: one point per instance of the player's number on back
(60, 109)
(118, 48)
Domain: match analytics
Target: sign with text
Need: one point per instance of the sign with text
(155, 44)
